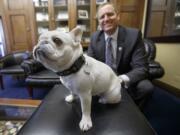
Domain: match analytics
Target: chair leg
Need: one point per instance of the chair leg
(30, 91)
(1, 82)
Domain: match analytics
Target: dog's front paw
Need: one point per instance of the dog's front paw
(69, 98)
(85, 124)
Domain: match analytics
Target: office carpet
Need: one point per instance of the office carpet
(162, 110)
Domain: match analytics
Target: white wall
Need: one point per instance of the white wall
(169, 56)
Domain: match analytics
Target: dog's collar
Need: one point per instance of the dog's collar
(74, 68)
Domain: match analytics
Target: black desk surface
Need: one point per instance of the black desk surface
(56, 117)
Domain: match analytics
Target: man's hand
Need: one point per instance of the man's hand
(125, 81)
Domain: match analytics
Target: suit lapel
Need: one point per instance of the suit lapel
(101, 47)
(120, 44)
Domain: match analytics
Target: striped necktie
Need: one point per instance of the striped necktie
(109, 54)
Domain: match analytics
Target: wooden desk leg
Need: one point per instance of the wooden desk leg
(30, 91)
(1, 82)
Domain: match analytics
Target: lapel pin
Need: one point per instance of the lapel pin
(120, 48)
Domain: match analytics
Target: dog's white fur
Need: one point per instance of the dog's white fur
(94, 78)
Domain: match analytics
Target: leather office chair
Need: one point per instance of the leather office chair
(155, 69)
(38, 76)
(11, 64)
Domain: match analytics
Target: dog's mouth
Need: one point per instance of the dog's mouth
(41, 54)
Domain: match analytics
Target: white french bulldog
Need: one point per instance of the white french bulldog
(58, 51)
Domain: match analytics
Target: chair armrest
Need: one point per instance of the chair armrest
(15, 58)
(7, 61)
(19, 57)
(155, 70)
(31, 66)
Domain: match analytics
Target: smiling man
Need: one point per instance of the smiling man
(123, 50)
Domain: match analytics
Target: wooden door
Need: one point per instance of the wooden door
(16, 12)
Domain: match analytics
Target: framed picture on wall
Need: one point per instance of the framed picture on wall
(83, 14)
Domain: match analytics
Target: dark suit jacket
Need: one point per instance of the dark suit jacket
(131, 59)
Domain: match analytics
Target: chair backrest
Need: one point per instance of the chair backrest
(150, 48)
(155, 69)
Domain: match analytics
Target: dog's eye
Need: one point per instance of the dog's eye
(57, 40)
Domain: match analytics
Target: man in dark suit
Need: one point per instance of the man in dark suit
(128, 53)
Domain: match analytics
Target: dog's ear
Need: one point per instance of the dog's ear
(76, 34)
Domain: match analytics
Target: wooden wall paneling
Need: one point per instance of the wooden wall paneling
(51, 12)
(131, 12)
(5, 25)
(15, 5)
(140, 12)
(18, 25)
(32, 22)
(117, 4)
(18, 31)
(129, 2)
(93, 18)
(127, 19)
(2, 14)
(128, 13)
(72, 12)
(1, 8)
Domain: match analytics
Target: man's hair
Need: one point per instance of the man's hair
(104, 4)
